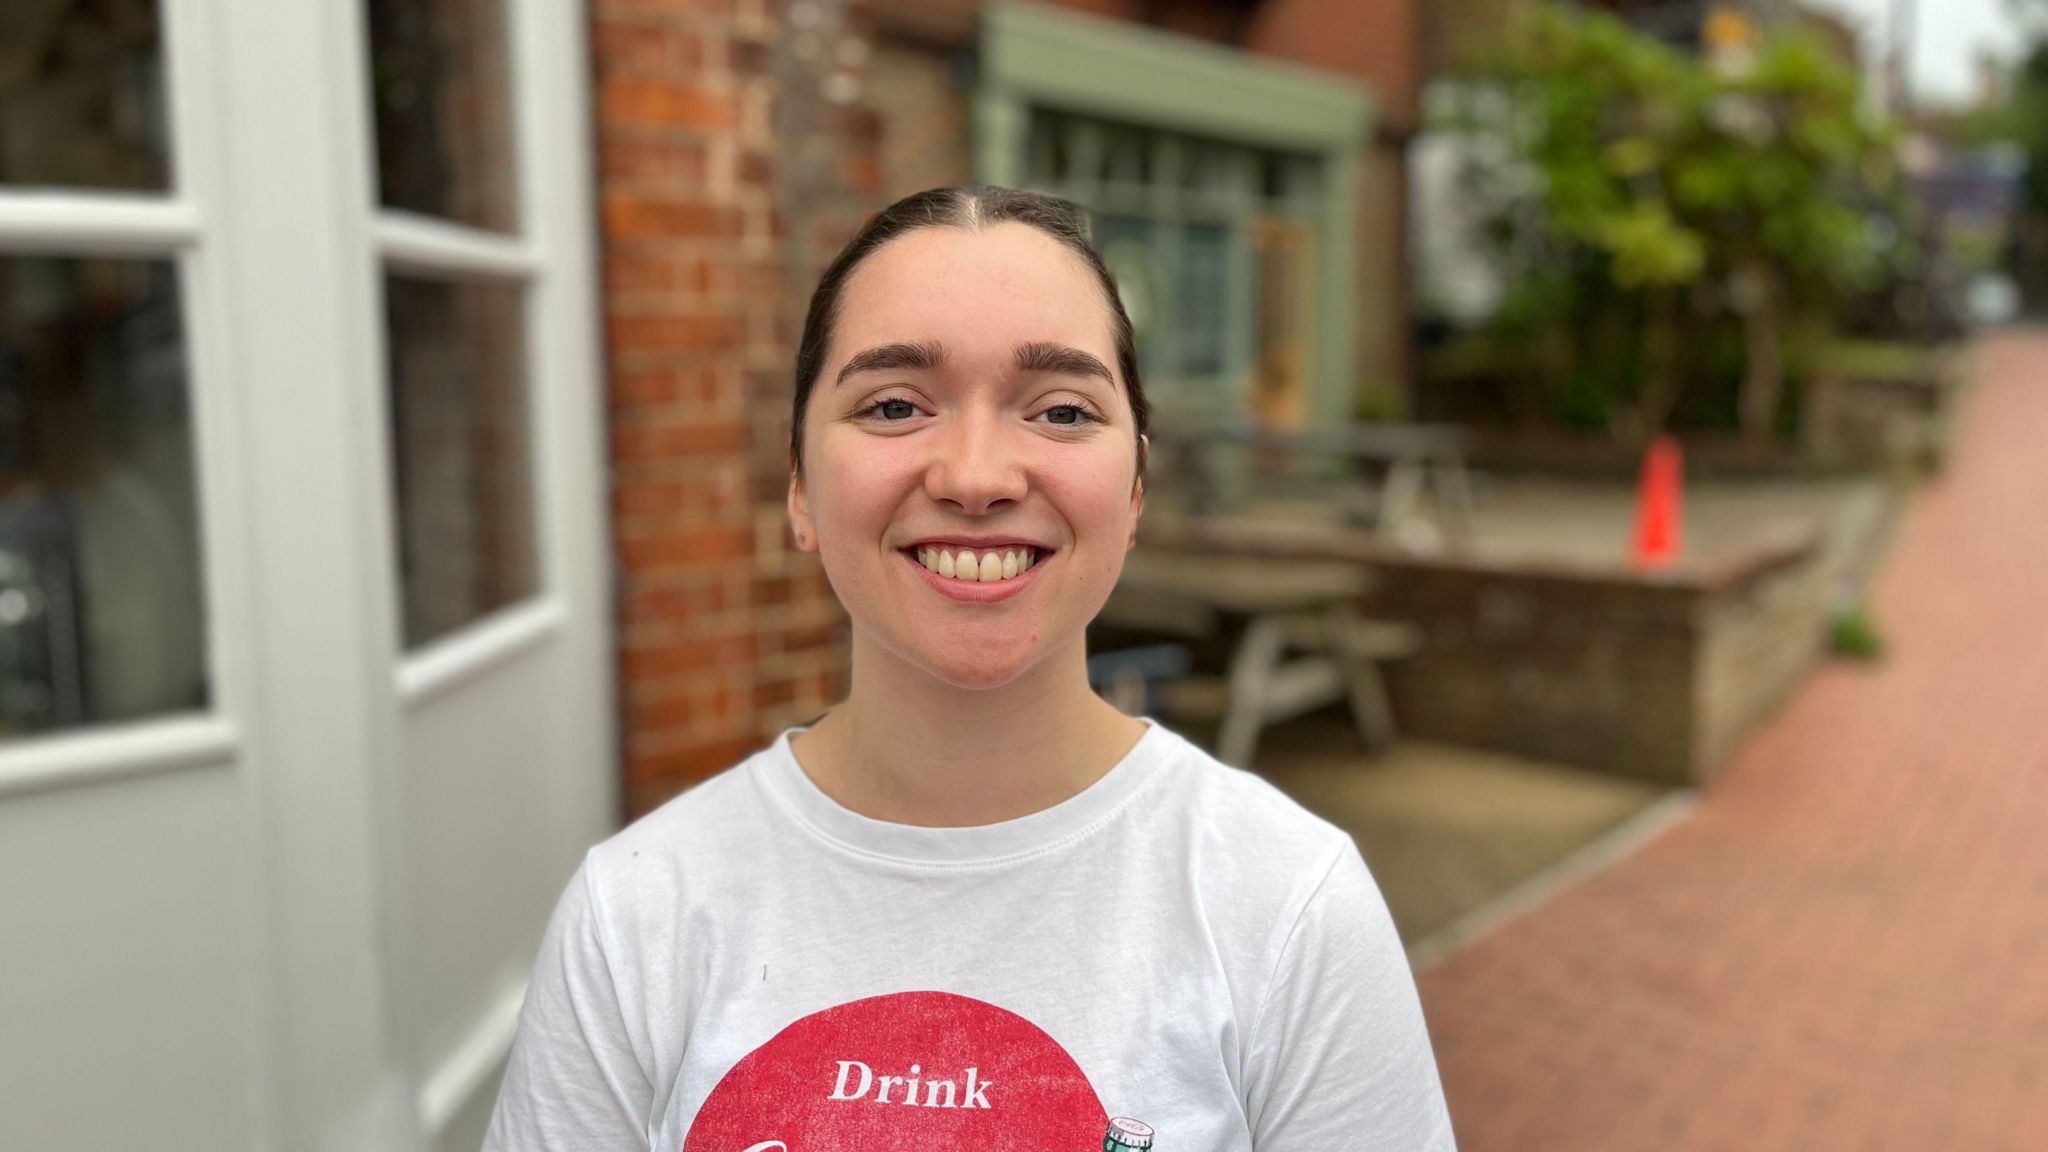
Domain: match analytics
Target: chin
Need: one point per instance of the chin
(974, 670)
(974, 654)
(974, 659)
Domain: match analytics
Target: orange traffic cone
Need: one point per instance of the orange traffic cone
(1660, 507)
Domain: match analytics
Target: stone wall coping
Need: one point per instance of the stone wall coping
(1769, 552)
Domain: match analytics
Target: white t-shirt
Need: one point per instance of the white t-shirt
(1180, 954)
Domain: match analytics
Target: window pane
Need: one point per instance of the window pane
(439, 78)
(1203, 304)
(82, 95)
(459, 451)
(101, 609)
(1129, 252)
(1045, 161)
(1128, 155)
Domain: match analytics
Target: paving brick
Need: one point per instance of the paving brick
(1842, 949)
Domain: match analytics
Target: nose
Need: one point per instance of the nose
(975, 464)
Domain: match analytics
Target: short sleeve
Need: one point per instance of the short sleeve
(572, 1082)
(1340, 1056)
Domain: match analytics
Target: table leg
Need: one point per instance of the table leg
(1400, 496)
(1251, 671)
(1365, 688)
(1455, 492)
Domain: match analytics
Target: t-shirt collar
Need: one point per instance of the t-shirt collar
(1047, 828)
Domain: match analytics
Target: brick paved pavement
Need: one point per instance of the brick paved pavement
(1847, 947)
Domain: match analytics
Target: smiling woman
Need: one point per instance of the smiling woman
(972, 870)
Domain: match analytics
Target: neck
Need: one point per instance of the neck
(910, 749)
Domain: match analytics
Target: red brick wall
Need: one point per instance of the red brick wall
(713, 134)
(1380, 43)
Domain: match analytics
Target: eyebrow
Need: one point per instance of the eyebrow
(1039, 356)
(927, 356)
(930, 355)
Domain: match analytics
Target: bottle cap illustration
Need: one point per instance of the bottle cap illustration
(1125, 1133)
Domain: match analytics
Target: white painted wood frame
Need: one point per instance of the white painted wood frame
(301, 918)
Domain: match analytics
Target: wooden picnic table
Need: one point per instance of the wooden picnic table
(1298, 639)
(1417, 460)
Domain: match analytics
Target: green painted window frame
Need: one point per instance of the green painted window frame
(1032, 56)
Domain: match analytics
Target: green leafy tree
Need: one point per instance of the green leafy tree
(1746, 180)
(1782, 175)
(1606, 104)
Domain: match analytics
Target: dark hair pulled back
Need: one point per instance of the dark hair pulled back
(972, 208)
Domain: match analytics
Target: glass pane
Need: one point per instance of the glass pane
(101, 608)
(1203, 168)
(1044, 159)
(82, 95)
(1128, 156)
(439, 79)
(1125, 243)
(1202, 304)
(459, 450)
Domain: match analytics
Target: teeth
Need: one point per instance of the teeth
(989, 566)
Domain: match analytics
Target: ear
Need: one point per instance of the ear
(800, 514)
(1138, 492)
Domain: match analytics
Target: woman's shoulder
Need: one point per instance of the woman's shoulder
(1261, 862)
(1249, 819)
(715, 819)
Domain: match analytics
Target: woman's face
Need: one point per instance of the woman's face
(969, 403)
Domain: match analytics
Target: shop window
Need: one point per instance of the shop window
(1183, 223)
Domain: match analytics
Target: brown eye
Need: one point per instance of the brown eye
(893, 411)
(1068, 415)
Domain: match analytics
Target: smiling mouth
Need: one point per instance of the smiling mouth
(972, 566)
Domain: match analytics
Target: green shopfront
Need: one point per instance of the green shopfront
(1224, 192)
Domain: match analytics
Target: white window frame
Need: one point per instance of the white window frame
(411, 242)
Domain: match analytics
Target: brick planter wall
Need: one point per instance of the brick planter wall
(1650, 677)
(1654, 677)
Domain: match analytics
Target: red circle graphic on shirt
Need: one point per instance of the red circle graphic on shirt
(961, 1074)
